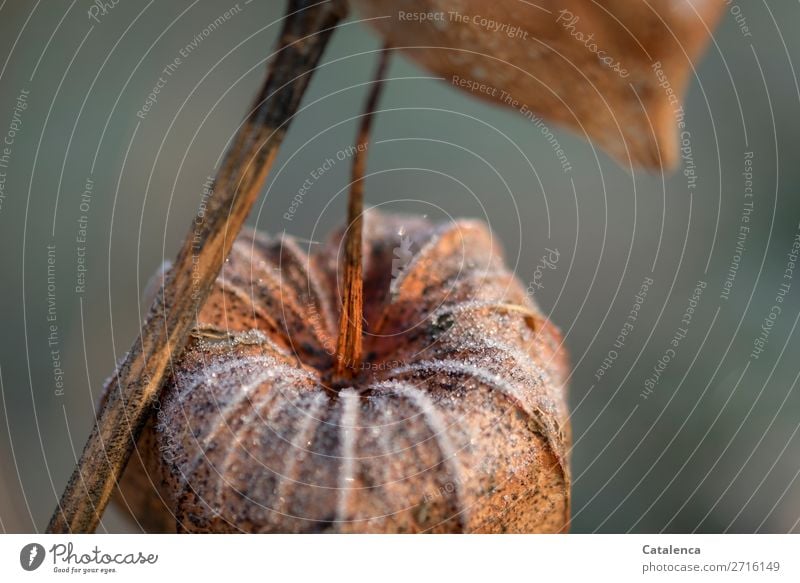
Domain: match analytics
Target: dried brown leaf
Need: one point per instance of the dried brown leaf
(614, 71)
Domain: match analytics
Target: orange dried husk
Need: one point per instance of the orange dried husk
(614, 71)
(456, 422)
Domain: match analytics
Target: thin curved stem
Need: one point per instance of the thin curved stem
(349, 344)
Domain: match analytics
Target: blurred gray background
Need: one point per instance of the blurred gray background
(712, 448)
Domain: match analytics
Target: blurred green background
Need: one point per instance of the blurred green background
(713, 448)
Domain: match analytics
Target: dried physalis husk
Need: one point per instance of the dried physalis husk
(456, 421)
(615, 71)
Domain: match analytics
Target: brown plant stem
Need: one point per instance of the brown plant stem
(306, 31)
(348, 346)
